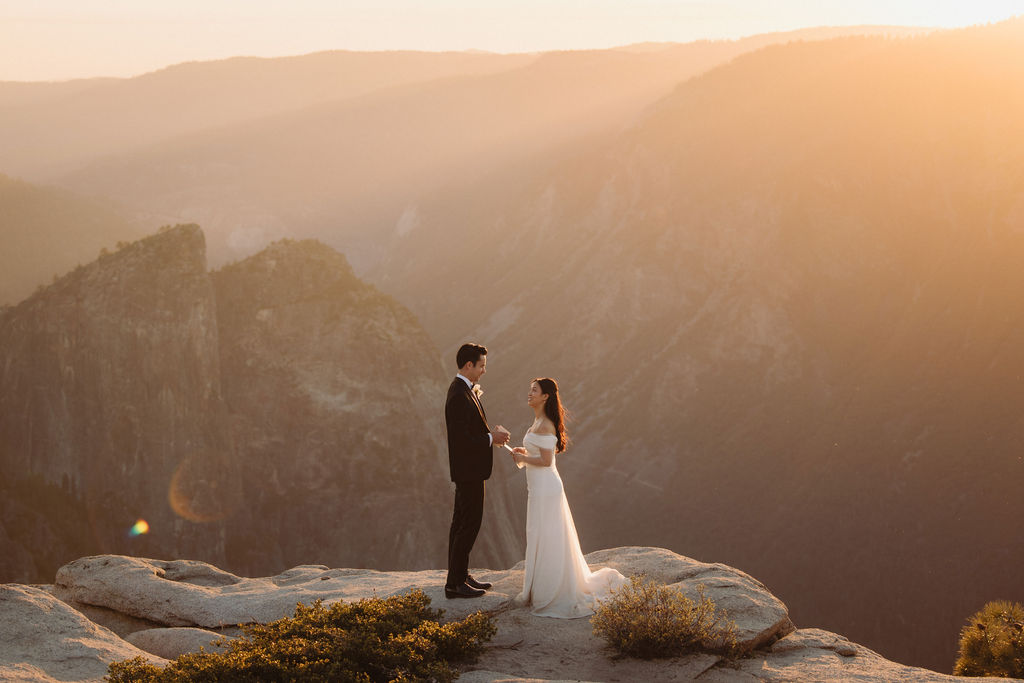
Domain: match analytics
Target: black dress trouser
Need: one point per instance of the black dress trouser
(466, 519)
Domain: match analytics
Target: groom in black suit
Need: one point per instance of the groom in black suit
(470, 459)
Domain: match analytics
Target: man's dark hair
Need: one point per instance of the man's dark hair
(469, 353)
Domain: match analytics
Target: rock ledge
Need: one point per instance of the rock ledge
(51, 641)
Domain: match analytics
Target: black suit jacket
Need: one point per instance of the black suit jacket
(470, 457)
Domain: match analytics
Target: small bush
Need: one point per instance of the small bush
(647, 620)
(377, 640)
(992, 642)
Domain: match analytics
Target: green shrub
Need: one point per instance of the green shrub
(391, 639)
(992, 642)
(645, 619)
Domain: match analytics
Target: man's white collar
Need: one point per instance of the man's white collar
(464, 379)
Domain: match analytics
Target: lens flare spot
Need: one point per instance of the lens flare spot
(195, 493)
(139, 528)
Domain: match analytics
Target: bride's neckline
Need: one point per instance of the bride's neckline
(530, 431)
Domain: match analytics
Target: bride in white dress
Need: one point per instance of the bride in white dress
(558, 582)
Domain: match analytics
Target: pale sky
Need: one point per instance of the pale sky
(63, 39)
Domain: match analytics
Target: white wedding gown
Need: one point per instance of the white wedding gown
(558, 582)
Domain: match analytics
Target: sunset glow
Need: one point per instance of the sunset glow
(54, 39)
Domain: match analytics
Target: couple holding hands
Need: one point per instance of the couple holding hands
(557, 581)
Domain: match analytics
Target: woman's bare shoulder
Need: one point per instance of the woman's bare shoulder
(546, 428)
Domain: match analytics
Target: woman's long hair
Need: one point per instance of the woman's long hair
(554, 411)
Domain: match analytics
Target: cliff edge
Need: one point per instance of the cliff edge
(165, 608)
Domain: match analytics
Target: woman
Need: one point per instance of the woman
(557, 582)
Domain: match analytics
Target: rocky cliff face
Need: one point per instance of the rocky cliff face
(110, 405)
(274, 407)
(333, 389)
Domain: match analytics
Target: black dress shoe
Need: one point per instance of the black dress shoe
(473, 583)
(462, 591)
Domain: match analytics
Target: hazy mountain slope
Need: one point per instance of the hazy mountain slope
(47, 231)
(47, 136)
(22, 93)
(784, 307)
(332, 168)
(350, 170)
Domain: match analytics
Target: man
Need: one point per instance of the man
(470, 458)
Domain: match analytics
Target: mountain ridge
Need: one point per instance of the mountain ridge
(217, 408)
(110, 127)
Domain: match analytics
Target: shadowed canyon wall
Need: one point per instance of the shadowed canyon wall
(278, 412)
(110, 401)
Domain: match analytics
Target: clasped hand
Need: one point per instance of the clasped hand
(500, 436)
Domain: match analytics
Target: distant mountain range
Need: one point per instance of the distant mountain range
(777, 280)
(341, 146)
